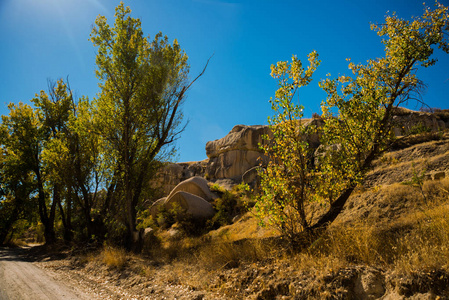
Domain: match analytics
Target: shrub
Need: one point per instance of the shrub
(229, 205)
(419, 128)
(114, 258)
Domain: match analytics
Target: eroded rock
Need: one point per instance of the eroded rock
(191, 204)
(407, 121)
(369, 284)
(231, 156)
(196, 186)
(191, 196)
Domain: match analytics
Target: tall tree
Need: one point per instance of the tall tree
(286, 183)
(358, 109)
(23, 143)
(357, 115)
(138, 114)
(16, 187)
(54, 110)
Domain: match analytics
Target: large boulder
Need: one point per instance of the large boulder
(192, 196)
(196, 186)
(231, 156)
(239, 151)
(156, 206)
(171, 174)
(190, 204)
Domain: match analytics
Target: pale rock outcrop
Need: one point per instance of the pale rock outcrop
(192, 196)
(231, 156)
(191, 204)
(239, 151)
(407, 121)
(196, 186)
(171, 174)
(251, 177)
(156, 206)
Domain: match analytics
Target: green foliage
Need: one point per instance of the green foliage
(417, 180)
(137, 114)
(419, 128)
(357, 117)
(82, 165)
(215, 187)
(286, 182)
(227, 207)
(358, 108)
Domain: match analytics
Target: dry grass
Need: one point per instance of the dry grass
(411, 241)
(418, 235)
(242, 257)
(114, 258)
(225, 254)
(427, 247)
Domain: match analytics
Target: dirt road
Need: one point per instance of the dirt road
(20, 279)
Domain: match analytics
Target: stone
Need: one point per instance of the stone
(252, 177)
(314, 139)
(231, 156)
(369, 284)
(191, 195)
(406, 121)
(227, 184)
(154, 209)
(196, 186)
(439, 175)
(239, 151)
(171, 174)
(190, 204)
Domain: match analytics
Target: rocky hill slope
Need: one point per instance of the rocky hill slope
(390, 242)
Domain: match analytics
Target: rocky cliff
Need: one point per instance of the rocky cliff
(237, 153)
(231, 156)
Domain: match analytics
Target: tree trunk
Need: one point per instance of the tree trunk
(48, 222)
(335, 209)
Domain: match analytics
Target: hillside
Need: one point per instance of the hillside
(390, 242)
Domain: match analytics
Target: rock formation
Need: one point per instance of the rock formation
(192, 196)
(191, 204)
(238, 153)
(407, 121)
(172, 174)
(231, 156)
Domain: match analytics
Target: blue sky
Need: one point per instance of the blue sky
(48, 39)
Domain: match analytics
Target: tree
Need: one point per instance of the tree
(54, 110)
(359, 116)
(42, 158)
(16, 186)
(85, 171)
(137, 113)
(23, 143)
(358, 109)
(288, 178)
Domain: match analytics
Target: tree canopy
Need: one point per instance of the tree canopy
(88, 162)
(357, 117)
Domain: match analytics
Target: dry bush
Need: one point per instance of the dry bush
(427, 247)
(356, 243)
(418, 239)
(114, 258)
(437, 191)
(224, 254)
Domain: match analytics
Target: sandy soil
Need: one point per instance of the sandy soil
(20, 279)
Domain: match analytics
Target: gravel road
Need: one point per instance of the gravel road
(20, 279)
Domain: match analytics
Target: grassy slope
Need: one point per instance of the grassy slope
(392, 240)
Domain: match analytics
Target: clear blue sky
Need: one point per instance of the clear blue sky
(48, 39)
